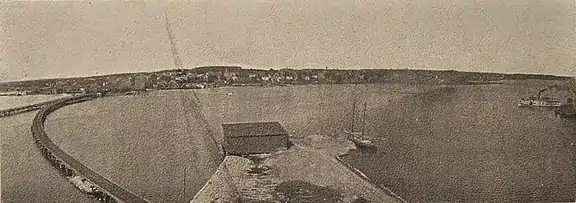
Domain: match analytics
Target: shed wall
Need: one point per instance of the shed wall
(255, 145)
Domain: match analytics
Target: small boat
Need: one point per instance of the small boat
(82, 184)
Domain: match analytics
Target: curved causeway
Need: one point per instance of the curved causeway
(27, 108)
(83, 177)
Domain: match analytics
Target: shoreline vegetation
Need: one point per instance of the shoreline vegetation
(218, 76)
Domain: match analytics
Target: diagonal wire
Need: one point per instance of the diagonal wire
(173, 49)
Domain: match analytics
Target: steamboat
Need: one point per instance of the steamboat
(539, 102)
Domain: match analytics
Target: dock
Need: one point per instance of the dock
(311, 160)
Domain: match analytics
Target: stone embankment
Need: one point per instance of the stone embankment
(88, 181)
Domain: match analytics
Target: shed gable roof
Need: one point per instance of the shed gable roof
(253, 129)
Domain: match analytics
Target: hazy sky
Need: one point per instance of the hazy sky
(62, 39)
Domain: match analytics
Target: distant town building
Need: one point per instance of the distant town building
(321, 76)
(123, 84)
(56, 91)
(254, 138)
(140, 82)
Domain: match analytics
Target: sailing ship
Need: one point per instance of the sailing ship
(358, 138)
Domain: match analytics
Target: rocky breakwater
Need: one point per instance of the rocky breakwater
(307, 172)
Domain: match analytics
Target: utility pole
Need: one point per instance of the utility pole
(364, 119)
(353, 114)
(184, 190)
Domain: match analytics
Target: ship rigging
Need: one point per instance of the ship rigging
(358, 138)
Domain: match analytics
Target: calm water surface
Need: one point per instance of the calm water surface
(471, 143)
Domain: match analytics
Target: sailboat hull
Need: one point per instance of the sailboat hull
(359, 141)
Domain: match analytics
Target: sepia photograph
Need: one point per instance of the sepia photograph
(288, 101)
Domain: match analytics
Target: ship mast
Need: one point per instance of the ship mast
(175, 56)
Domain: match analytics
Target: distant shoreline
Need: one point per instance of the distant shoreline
(231, 76)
